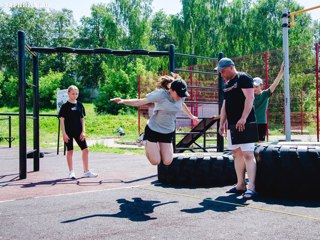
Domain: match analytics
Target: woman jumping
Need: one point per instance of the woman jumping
(168, 100)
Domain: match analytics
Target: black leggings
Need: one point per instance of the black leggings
(81, 144)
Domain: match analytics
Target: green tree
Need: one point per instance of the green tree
(161, 31)
(1, 88)
(100, 30)
(10, 92)
(117, 85)
(62, 33)
(133, 17)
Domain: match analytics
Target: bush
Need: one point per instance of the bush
(1, 85)
(123, 84)
(117, 85)
(48, 86)
(10, 92)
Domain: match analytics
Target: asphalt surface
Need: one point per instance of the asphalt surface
(127, 202)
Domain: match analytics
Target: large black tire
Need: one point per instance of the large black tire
(289, 170)
(207, 171)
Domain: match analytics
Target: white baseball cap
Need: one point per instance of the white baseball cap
(257, 81)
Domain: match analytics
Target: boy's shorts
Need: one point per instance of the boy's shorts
(81, 144)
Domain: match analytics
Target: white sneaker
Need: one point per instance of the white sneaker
(72, 175)
(140, 141)
(89, 174)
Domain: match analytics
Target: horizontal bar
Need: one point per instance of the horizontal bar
(158, 53)
(202, 87)
(196, 148)
(185, 117)
(196, 71)
(195, 56)
(99, 51)
(43, 50)
(30, 114)
(201, 102)
(193, 133)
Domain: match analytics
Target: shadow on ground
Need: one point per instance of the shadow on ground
(136, 210)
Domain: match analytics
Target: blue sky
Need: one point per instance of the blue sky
(82, 7)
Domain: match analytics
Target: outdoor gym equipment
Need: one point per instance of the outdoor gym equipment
(33, 51)
(285, 31)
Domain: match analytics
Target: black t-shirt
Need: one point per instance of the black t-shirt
(72, 114)
(234, 98)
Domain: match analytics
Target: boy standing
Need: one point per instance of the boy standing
(73, 127)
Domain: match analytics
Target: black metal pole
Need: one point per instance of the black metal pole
(36, 135)
(58, 140)
(172, 69)
(220, 141)
(22, 107)
(172, 58)
(10, 135)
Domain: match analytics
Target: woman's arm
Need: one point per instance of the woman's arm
(186, 110)
(131, 102)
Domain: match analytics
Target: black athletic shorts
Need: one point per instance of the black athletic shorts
(262, 131)
(153, 136)
(81, 144)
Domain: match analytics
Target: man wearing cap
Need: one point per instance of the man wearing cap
(261, 101)
(168, 101)
(237, 109)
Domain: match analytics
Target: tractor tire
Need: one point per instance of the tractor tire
(200, 171)
(288, 170)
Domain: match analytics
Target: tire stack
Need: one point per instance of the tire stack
(199, 171)
(289, 170)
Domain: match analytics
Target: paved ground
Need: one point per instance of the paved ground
(127, 202)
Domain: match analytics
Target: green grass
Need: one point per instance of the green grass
(97, 127)
(102, 148)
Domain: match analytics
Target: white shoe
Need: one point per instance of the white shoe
(72, 175)
(89, 174)
(140, 141)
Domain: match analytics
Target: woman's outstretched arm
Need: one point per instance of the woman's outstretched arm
(131, 102)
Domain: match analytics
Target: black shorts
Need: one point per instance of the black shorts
(262, 131)
(153, 136)
(81, 144)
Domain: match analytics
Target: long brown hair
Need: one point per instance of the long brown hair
(164, 81)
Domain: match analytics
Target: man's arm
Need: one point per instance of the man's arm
(277, 80)
(248, 104)
(223, 119)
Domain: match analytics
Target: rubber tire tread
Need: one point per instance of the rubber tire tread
(288, 171)
(199, 171)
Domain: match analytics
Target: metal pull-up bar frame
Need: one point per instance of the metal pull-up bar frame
(33, 51)
(23, 47)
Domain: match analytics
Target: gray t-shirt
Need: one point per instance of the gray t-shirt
(164, 112)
